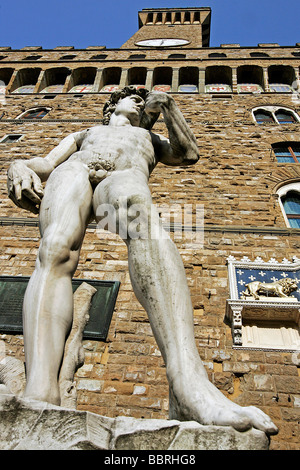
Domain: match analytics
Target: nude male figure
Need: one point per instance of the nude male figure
(99, 166)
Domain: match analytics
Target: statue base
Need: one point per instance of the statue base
(33, 425)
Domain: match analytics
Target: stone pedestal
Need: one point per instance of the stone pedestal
(34, 425)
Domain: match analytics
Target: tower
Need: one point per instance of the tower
(170, 27)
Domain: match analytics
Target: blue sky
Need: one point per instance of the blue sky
(83, 23)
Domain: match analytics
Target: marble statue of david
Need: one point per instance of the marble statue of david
(103, 165)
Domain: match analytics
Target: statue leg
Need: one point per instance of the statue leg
(48, 302)
(159, 282)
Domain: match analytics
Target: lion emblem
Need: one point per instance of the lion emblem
(281, 288)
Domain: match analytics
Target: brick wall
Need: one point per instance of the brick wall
(235, 179)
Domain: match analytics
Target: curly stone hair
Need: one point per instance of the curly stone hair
(109, 108)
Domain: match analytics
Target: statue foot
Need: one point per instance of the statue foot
(199, 400)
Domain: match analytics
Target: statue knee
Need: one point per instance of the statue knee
(54, 249)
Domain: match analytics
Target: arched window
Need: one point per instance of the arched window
(218, 79)
(162, 79)
(54, 80)
(281, 78)
(137, 76)
(279, 115)
(188, 79)
(262, 116)
(289, 200)
(25, 80)
(111, 77)
(34, 113)
(291, 205)
(82, 80)
(250, 79)
(285, 117)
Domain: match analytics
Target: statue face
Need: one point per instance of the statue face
(131, 107)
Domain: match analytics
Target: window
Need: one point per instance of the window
(110, 79)
(10, 138)
(54, 80)
(99, 57)
(149, 18)
(162, 79)
(250, 79)
(32, 57)
(25, 80)
(67, 57)
(168, 18)
(137, 56)
(188, 79)
(218, 79)
(177, 56)
(275, 114)
(177, 17)
(281, 78)
(35, 113)
(197, 17)
(158, 18)
(217, 54)
(137, 76)
(262, 116)
(285, 117)
(82, 80)
(289, 201)
(259, 54)
(291, 206)
(5, 76)
(287, 152)
(187, 17)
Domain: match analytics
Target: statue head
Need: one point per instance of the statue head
(110, 106)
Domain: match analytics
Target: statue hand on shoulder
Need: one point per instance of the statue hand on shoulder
(24, 186)
(156, 101)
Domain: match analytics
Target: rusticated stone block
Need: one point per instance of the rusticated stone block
(33, 425)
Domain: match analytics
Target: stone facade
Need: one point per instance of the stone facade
(236, 179)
